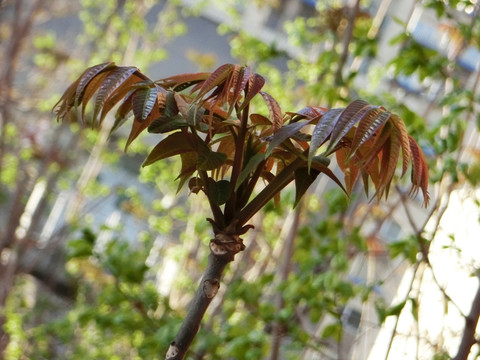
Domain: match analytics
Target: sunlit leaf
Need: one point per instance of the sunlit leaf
(404, 140)
(255, 84)
(283, 134)
(111, 82)
(240, 84)
(143, 101)
(419, 171)
(86, 77)
(349, 168)
(276, 114)
(215, 78)
(352, 114)
(390, 155)
(367, 126)
(322, 131)
(183, 81)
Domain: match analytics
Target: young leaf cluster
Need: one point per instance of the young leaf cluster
(226, 148)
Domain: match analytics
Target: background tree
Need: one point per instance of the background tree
(35, 165)
(99, 324)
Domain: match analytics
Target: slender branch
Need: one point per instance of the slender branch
(206, 291)
(278, 329)
(397, 319)
(354, 8)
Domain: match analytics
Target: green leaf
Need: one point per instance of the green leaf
(415, 307)
(143, 101)
(210, 160)
(283, 134)
(396, 309)
(165, 124)
(303, 180)
(322, 131)
(174, 144)
(219, 191)
(333, 330)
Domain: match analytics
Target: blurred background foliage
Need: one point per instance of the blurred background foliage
(99, 258)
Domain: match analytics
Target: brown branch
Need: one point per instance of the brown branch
(471, 321)
(223, 249)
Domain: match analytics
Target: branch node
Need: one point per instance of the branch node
(210, 288)
(172, 351)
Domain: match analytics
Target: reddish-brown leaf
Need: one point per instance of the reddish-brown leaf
(308, 112)
(390, 156)
(276, 114)
(183, 81)
(63, 106)
(380, 140)
(139, 126)
(347, 120)
(419, 171)
(90, 90)
(88, 76)
(215, 79)
(367, 127)
(404, 140)
(113, 80)
(322, 131)
(349, 169)
(258, 119)
(241, 82)
(143, 101)
(255, 84)
(284, 133)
